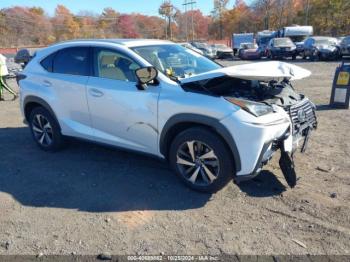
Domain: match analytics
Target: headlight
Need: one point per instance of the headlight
(254, 108)
(293, 48)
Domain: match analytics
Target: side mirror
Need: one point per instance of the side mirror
(145, 75)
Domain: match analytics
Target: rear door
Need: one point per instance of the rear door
(65, 85)
(121, 114)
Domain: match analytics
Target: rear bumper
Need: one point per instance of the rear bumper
(251, 56)
(284, 53)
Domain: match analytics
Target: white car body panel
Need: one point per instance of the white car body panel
(134, 119)
(264, 71)
(123, 115)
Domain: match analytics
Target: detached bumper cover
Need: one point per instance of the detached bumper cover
(257, 142)
(255, 139)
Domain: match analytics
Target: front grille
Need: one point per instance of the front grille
(303, 115)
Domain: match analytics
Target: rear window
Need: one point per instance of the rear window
(283, 42)
(47, 63)
(70, 61)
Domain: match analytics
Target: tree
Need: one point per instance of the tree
(127, 26)
(65, 25)
(169, 12)
(217, 13)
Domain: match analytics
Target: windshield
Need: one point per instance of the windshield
(283, 42)
(175, 60)
(325, 41)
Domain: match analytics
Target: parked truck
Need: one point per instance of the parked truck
(238, 39)
(297, 34)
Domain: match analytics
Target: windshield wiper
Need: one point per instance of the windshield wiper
(174, 78)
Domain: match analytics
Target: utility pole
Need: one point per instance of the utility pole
(170, 6)
(166, 10)
(186, 3)
(186, 22)
(307, 12)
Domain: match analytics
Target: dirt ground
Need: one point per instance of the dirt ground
(89, 199)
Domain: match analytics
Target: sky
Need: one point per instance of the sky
(147, 7)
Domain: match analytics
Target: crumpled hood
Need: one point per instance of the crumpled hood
(263, 71)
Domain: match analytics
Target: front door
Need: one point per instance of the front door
(121, 114)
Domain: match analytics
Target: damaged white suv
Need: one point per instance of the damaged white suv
(212, 124)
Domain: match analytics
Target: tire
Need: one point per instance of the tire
(210, 166)
(269, 55)
(294, 57)
(315, 56)
(45, 130)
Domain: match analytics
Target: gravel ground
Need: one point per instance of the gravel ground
(89, 199)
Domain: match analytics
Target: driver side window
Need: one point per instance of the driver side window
(114, 65)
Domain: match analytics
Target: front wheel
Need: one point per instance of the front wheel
(45, 130)
(201, 159)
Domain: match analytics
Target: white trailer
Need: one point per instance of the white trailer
(238, 39)
(296, 33)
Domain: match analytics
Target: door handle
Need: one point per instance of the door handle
(47, 83)
(95, 92)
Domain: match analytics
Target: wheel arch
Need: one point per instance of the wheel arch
(181, 122)
(31, 102)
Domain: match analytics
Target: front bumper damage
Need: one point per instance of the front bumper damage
(302, 120)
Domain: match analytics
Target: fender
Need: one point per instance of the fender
(203, 120)
(40, 101)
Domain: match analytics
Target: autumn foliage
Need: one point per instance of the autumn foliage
(21, 26)
(328, 17)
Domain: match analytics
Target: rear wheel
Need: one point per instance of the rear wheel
(45, 130)
(201, 160)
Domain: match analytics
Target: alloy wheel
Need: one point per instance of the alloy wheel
(42, 130)
(198, 163)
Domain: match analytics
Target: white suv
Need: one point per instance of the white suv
(211, 123)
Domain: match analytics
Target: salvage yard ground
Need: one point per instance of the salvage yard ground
(89, 199)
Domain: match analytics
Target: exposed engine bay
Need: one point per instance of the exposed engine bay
(272, 93)
(281, 93)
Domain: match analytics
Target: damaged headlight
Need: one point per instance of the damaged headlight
(254, 108)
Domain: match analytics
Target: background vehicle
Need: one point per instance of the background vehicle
(238, 39)
(205, 48)
(249, 51)
(222, 51)
(158, 98)
(297, 34)
(321, 47)
(189, 46)
(263, 38)
(281, 48)
(345, 46)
